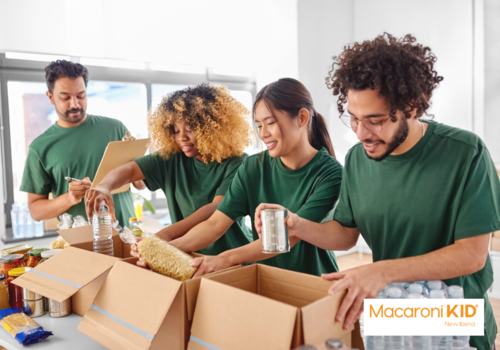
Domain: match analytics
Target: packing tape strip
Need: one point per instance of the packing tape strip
(56, 279)
(123, 323)
(204, 343)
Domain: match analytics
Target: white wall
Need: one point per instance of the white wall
(444, 25)
(258, 35)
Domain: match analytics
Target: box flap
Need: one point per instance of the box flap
(65, 273)
(79, 235)
(230, 318)
(318, 320)
(193, 286)
(130, 306)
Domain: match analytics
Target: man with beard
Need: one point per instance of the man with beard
(425, 196)
(73, 147)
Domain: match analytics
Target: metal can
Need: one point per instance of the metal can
(34, 304)
(57, 309)
(274, 232)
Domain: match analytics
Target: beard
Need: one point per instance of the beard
(72, 119)
(399, 137)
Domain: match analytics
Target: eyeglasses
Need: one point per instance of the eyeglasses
(372, 126)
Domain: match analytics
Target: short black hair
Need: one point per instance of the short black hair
(401, 69)
(64, 69)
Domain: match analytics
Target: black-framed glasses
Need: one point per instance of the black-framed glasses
(352, 122)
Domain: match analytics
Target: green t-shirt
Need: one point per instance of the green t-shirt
(190, 184)
(444, 189)
(310, 191)
(74, 152)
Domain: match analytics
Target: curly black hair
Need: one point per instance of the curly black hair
(400, 69)
(64, 69)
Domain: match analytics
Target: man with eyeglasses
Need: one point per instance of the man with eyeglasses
(424, 196)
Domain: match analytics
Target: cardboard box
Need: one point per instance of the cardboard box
(72, 273)
(495, 244)
(496, 234)
(83, 238)
(137, 308)
(262, 307)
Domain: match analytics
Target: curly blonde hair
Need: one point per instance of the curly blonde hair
(217, 120)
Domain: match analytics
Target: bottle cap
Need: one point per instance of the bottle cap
(132, 219)
(18, 271)
(12, 258)
(37, 252)
(334, 343)
(49, 253)
(2, 276)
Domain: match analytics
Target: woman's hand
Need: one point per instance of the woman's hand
(208, 264)
(292, 221)
(93, 199)
(134, 251)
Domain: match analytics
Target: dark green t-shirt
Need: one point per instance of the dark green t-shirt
(189, 185)
(310, 191)
(74, 152)
(444, 189)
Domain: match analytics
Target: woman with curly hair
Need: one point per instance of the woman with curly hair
(298, 170)
(199, 134)
(424, 196)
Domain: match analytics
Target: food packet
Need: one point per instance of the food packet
(166, 259)
(64, 221)
(22, 327)
(59, 243)
(80, 221)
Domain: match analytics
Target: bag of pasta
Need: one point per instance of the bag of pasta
(22, 327)
(166, 259)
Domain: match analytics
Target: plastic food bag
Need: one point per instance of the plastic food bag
(22, 327)
(166, 259)
(64, 221)
(80, 221)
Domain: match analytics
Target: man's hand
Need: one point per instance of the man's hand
(293, 221)
(77, 189)
(209, 264)
(364, 282)
(134, 251)
(93, 200)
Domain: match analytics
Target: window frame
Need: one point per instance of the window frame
(33, 71)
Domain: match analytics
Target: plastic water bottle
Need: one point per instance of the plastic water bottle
(460, 342)
(394, 342)
(440, 342)
(30, 224)
(39, 230)
(23, 221)
(101, 227)
(417, 342)
(15, 214)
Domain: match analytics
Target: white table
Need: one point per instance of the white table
(65, 337)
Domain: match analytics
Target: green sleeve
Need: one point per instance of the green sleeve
(343, 212)
(235, 202)
(35, 179)
(153, 169)
(321, 202)
(231, 170)
(479, 211)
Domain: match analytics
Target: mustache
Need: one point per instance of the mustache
(73, 110)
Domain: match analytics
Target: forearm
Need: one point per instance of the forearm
(45, 209)
(246, 254)
(330, 235)
(180, 228)
(122, 175)
(199, 237)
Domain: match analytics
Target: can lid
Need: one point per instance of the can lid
(334, 343)
(132, 219)
(2, 276)
(18, 271)
(11, 258)
(37, 252)
(49, 253)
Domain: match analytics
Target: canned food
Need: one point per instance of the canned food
(274, 232)
(18, 249)
(35, 308)
(57, 309)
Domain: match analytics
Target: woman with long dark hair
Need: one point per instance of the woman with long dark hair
(298, 171)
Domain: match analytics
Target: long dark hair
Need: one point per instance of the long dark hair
(290, 96)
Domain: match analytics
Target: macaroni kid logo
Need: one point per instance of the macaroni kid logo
(424, 317)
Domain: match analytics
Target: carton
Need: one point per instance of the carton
(83, 237)
(72, 273)
(495, 244)
(263, 307)
(137, 308)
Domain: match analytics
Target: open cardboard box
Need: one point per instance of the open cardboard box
(72, 273)
(263, 307)
(137, 308)
(83, 238)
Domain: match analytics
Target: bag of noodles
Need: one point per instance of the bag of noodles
(22, 327)
(166, 259)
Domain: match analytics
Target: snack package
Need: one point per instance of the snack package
(166, 259)
(22, 327)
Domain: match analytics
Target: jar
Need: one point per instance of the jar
(18, 249)
(35, 256)
(4, 292)
(135, 228)
(16, 292)
(46, 254)
(10, 262)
